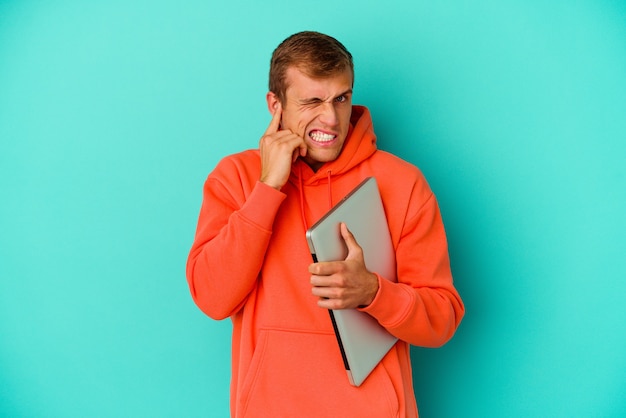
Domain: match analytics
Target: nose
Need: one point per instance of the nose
(328, 114)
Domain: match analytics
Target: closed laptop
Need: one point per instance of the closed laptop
(363, 342)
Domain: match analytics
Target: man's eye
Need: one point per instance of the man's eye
(341, 99)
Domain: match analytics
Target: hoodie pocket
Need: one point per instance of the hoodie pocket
(301, 374)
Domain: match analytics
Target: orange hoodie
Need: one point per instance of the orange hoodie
(249, 261)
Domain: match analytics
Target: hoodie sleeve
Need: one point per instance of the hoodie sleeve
(234, 230)
(423, 308)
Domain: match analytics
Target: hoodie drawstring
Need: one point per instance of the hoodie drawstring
(302, 200)
(301, 187)
(330, 192)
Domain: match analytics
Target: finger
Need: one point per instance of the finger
(295, 154)
(322, 270)
(330, 298)
(276, 137)
(300, 151)
(349, 238)
(303, 149)
(275, 122)
(327, 292)
(321, 281)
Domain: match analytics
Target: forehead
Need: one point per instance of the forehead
(300, 85)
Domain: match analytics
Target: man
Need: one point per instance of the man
(250, 260)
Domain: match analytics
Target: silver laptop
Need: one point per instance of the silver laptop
(363, 342)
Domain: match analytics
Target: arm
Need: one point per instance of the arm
(235, 223)
(233, 233)
(423, 307)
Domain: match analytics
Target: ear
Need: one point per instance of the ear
(272, 101)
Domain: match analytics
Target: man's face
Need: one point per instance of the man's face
(319, 111)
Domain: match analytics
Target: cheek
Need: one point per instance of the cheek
(291, 121)
(346, 113)
(305, 119)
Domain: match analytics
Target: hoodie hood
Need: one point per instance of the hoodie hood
(359, 145)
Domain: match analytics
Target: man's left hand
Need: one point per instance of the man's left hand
(344, 284)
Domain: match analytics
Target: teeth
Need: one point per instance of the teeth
(321, 137)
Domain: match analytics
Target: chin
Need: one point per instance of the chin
(325, 157)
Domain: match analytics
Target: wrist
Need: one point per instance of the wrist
(270, 184)
(273, 183)
(372, 293)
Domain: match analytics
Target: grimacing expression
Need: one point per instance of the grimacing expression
(318, 110)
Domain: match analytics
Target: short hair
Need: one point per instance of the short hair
(315, 54)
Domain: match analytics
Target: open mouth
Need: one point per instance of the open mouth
(321, 137)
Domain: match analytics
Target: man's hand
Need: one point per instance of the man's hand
(279, 150)
(344, 284)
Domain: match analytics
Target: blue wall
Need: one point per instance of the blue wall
(112, 114)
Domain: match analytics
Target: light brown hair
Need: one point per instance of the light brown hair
(315, 54)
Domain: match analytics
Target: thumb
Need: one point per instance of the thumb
(354, 249)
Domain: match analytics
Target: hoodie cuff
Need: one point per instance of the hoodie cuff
(262, 204)
(391, 304)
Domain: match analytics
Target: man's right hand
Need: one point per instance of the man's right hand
(279, 150)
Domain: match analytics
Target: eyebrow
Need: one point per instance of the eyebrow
(317, 99)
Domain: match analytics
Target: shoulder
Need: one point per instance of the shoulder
(235, 175)
(400, 181)
(395, 164)
(237, 171)
(240, 160)
(243, 164)
(393, 170)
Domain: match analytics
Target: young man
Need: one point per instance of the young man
(250, 260)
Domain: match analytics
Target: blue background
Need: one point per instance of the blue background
(113, 113)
